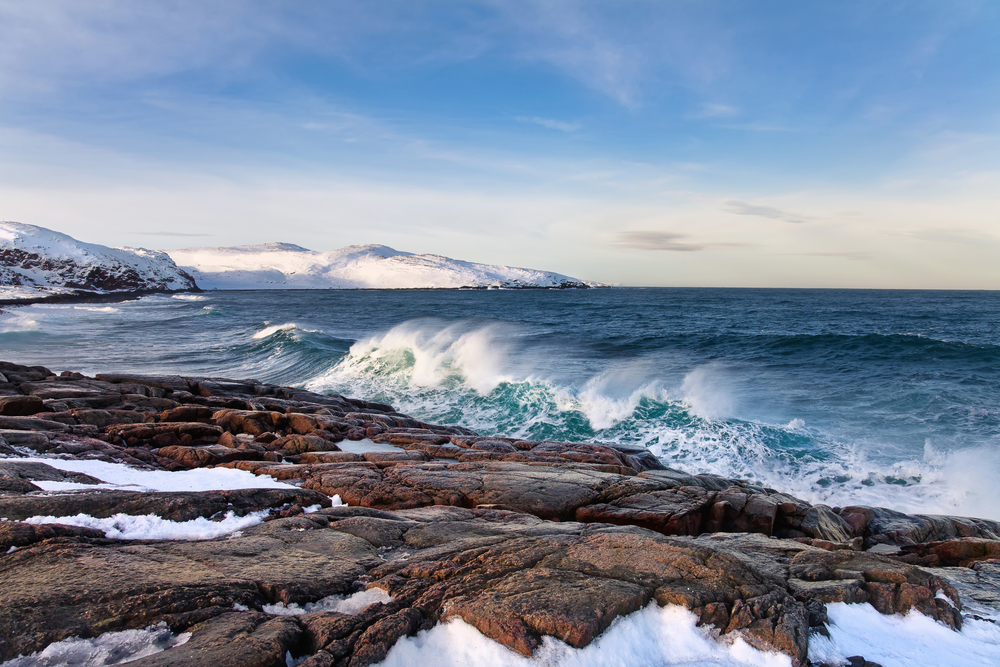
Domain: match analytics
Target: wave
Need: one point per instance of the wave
(483, 377)
(268, 331)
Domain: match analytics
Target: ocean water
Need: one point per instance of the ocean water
(889, 398)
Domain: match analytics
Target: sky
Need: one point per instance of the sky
(666, 143)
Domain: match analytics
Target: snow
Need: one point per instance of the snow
(287, 266)
(121, 476)
(351, 604)
(111, 648)
(913, 640)
(71, 264)
(652, 636)
(152, 527)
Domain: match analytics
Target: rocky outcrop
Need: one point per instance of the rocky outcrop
(521, 539)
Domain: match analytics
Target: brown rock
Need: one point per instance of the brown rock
(19, 406)
(243, 639)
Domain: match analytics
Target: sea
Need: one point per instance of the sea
(887, 398)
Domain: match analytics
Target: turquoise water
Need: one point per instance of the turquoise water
(880, 397)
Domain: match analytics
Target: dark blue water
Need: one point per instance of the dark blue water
(887, 397)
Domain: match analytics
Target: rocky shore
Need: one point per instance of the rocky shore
(520, 539)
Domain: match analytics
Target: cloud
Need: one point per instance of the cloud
(855, 254)
(550, 123)
(961, 236)
(649, 240)
(746, 208)
(170, 234)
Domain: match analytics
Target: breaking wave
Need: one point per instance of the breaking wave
(500, 380)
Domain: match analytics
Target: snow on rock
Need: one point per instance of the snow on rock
(287, 266)
(349, 604)
(37, 262)
(111, 648)
(151, 527)
(121, 476)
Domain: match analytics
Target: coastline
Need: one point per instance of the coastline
(519, 539)
(87, 296)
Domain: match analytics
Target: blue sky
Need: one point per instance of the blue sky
(852, 144)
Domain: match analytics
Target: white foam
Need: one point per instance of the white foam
(904, 641)
(110, 648)
(652, 636)
(152, 527)
(705, 391)
(121, 476)
(426, 354)
(351, 604)
(269, 331)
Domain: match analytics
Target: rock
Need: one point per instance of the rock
(41, 472)
(31, 424)
(300, 444)
(890, 587)
(187, 413)
(247, 639)
(20, 406)
(171, 505)
(197, 457)
(961, 552)
(54, 590)
(523, 539)
(884, 526)
(17, 534)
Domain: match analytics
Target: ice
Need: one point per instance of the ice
(111, 648)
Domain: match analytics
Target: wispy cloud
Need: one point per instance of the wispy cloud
(550, 123)
(961, 236)
(184, 234)
(858, 255)
(746, 208)
(648, 240)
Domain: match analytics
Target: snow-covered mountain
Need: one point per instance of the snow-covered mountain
(36, 263)
(287, 266)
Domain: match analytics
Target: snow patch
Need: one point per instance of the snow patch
(121, 476)
(152, 527)
(351, 604)
(111, 648)
(913, 640)
(652, 636)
